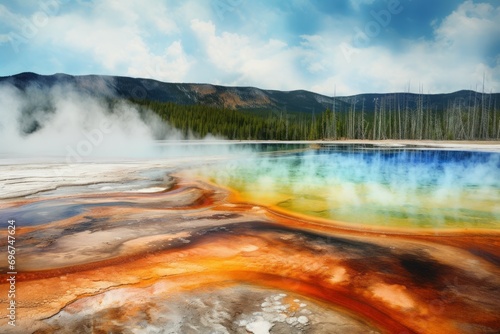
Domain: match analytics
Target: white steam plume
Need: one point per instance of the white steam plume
(62, 121)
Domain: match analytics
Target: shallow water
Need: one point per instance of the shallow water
(45, 212)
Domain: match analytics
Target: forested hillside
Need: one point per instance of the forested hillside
(391, 118)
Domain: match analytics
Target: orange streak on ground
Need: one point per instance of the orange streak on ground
(278, 259)
(273, 264)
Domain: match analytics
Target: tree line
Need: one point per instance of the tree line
(390, 118)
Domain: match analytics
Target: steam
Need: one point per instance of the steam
(66, 122)
(412, 188)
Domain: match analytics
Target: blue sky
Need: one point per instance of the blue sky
(347, 46)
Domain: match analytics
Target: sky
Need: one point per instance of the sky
(332, 47)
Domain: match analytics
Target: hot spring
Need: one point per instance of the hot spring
(233, 237)
(362, 185)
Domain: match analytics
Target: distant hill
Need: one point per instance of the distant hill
(241, 98)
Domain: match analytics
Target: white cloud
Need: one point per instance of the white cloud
(313, 60)
(453, 60)
(470, 28)
(111, 46)
(243, 60)
(171, 66)
(122, 43)
(376, 69)
(134, 13)
(227, 51)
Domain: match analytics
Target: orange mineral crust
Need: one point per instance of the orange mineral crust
(188, 260)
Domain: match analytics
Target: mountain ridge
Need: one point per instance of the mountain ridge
(239, 97)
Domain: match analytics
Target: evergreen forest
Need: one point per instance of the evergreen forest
(390, 118)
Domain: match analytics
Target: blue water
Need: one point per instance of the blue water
(366, 185)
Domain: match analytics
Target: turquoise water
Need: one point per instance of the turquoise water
(383, 187)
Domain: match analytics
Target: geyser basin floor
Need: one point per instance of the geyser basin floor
(189, 259)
